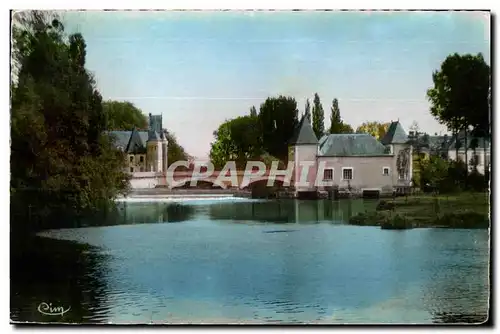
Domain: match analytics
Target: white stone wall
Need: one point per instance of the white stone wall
(305, 153)
(145, 180)
(452, 155)
(165, 156)
(367, 172)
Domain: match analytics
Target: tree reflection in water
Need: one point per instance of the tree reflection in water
(61, 274)
(291, 211)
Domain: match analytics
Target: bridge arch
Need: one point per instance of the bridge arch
(202, 184)
(279, 181)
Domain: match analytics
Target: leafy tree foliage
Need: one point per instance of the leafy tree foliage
(460, 96)
(278, 118)
(124, 116)
(263, 137)
(60, 160)
(239, 140)
(307, 110)
(253, 111)
(376, 129)
(318, 117)
(336, 123)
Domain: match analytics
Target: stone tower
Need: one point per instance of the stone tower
(154, 145)
(304, 148)
(397, 143)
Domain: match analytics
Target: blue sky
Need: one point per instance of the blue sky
(199, 68)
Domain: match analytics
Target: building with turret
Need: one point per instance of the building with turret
(352, 163)
(146, 151)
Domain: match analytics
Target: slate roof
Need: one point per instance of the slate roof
(153, 135)
(304, 134)
(359, 144)
(155, 122)
(395, 134)
(135, 141)
(431, 143)
(120, 138)
(322, 140)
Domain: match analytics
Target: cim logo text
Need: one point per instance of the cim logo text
(48, 309)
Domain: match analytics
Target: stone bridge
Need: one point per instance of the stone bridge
(184, 180)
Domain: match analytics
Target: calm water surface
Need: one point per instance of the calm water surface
(234, 261)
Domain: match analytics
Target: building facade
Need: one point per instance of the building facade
(146, 151)
(354, 163)
(478, 151)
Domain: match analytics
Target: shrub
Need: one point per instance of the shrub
(464, 219)
(384, 205)
(396, 222)
(477, 181)
(368, 219)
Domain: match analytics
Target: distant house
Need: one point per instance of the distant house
(481, 155)
(353, 162)
(445, 147)
(146, 150)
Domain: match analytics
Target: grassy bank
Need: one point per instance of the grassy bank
(463, 210)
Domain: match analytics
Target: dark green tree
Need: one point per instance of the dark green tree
(336, 123)
(223, 149)
(124, 115)
(278, 119)
(239, 140)
(459, 98)
(61, 162)
(307, 110)
(318, 117)
(253, 111)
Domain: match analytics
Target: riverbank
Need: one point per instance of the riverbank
(463, 210)
(166, 193)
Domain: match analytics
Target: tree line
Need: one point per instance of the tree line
(461, 100)
(265, 135)
(62, 163)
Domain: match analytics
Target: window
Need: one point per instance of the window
(347, 173)
(141, 159)
(402, 176)
(385, 171)
(131, 158)
(328, 174)
(131, 169)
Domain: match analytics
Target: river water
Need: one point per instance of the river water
(246, 261)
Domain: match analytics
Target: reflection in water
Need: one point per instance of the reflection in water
(291, 211)
(61, 274)
(219, 266)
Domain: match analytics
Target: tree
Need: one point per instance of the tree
(318, 117)
(376, 129)
(278, 119)
(253, 111)
(223, 148)
(434, 174)
(61, 162)
(307, 111)
(175, 151)
(124, 116)
(336, 123)
(460, 96)
(247, 138)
